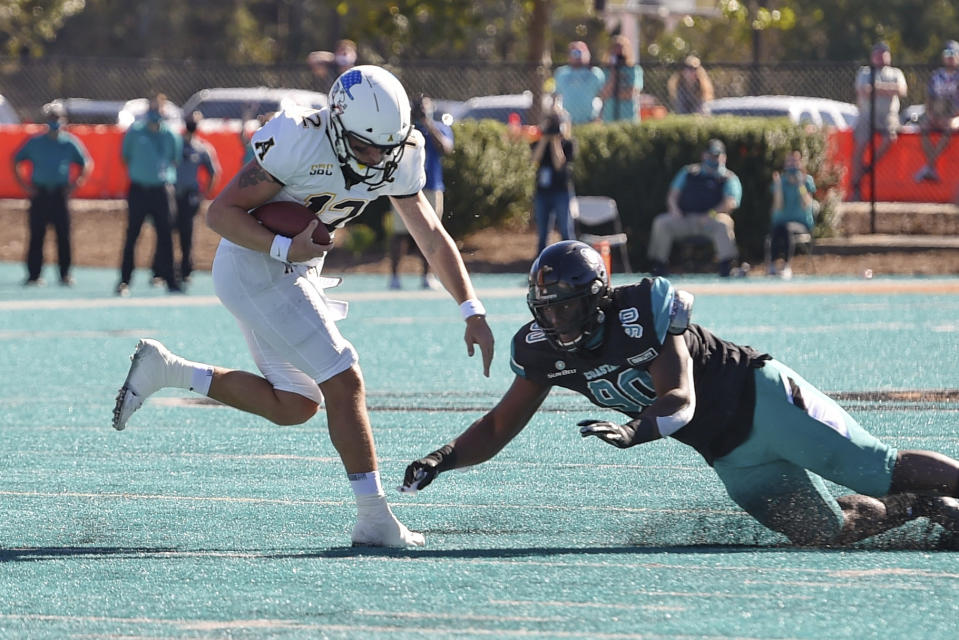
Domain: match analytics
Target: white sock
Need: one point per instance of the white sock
(366, 484)
(201, 376)
(186, 374)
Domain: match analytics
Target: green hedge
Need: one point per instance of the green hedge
(490, 180)
(488, 176)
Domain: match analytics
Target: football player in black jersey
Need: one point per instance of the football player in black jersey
(770, 436)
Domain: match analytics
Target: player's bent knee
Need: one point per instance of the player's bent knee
(293, 409)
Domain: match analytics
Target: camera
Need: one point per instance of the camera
(551, 127)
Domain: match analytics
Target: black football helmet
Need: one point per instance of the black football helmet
(568, 293)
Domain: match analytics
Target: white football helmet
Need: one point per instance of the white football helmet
(370, 104)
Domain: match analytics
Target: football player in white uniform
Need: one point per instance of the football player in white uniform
(335, 161)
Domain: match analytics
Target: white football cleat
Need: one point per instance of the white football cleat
(376, 526)
(149, 372)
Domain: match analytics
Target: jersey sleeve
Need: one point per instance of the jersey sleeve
(531, 356)
(516, 359)
(661, 294)
(280, 146)
(645, 311)
(410, 176)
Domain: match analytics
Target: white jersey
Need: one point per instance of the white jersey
(294, 147)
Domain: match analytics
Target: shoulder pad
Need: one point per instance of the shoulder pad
(680, 312)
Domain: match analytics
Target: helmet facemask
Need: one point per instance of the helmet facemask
(370, 106)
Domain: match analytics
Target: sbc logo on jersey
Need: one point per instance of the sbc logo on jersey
(324, 169)
(629, 318)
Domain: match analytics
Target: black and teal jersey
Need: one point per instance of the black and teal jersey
(614, 372)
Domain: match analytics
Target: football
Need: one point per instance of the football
(290, 218)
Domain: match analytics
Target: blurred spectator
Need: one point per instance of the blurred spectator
(624, 81)
(151, 152)
(439, 142)
(52, 155)
(701, 198)
(690, 87)
(942, 110)
(890, 87)
(578, 85)
(553, 155)
(793, 211)
(196, 154)
(328, 65)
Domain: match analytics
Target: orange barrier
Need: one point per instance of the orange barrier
(109, 177)
(895, 173)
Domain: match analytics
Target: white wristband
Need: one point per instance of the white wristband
(280, 248)
(472, 307)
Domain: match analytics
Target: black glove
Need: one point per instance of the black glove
(420, 473)
(618, 435)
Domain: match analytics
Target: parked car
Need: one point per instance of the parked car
(89, 111)
(820, 112)
(8, 115)
(245, 103)
(136, 109)
(445, 110)
(496, 107)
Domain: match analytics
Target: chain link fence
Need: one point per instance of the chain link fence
(29, 84)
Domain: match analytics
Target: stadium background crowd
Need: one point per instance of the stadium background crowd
(757, 52)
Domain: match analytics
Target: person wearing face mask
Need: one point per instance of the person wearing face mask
(151, 152)
(578, 84)
(701, 198)
(329, 65)
(942, 111)
(793, 212)
(52, 154)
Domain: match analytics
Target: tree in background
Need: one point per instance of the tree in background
(26, 26)
(270, 32)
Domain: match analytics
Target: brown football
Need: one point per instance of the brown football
(290, 218)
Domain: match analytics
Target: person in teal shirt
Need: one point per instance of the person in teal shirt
(151, 152)
(793, 212)
(624, 81)
(53, 155)
(700, 202)
(578, 84)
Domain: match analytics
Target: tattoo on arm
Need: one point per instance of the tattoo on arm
(253, 174)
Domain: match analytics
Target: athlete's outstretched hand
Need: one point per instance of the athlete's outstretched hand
(420, 473)
(479, 333)
(618, 435)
